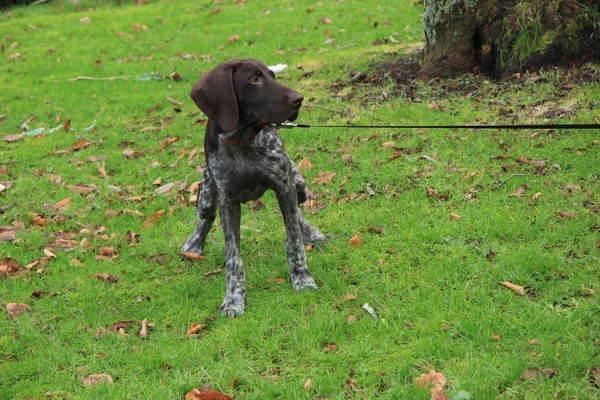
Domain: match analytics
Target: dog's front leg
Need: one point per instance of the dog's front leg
(235, 292)
(206, 210)
(299, 274)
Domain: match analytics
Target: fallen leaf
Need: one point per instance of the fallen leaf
(193, 330)
(85, 21)
(541, 373)
(278, 281)
(153, 218)
(105, 277)
(144, 330)
(349, 296)
(515, 288)
(8, 266)
(304, 165)
(389, 145)
(214, 272)
(83, 189)
(167, 143)
(164, 189)
(80, 145)
(355, 241)
(496, 337)
(97, 379)
(206, 394)
(16, 309)
(102, 171)
(351, 318)
(454, 217)
(174, 102)
(13, 138)
(190, 255)
(596, 375)
(566, 214)
(347, 159)
(520, 191)
(64, 203)
(323, 177)
(307, 385)
(331, 348)
(7, 236)
(370, 310)
(63, 244)
(435, 381)
(534, 198)
(233, 38)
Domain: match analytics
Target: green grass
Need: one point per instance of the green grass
(429, 278)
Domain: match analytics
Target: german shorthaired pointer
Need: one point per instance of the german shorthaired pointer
(244, 158)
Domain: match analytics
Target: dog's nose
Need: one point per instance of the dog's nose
(295, 98)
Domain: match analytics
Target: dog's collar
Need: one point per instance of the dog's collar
(255, 131)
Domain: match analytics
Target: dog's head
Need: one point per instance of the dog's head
(243, 92)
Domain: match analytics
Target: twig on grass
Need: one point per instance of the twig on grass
(91, 78)
(509, 178)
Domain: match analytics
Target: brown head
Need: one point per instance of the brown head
(244, 92)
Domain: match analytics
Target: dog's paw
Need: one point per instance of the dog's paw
(304, 282)
(232, 306)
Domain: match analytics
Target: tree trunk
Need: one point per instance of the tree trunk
(499, 37)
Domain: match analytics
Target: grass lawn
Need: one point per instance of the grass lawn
(424, 224)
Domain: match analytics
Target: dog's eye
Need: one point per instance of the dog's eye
(255, 80)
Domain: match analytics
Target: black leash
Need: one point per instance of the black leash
(514, 127)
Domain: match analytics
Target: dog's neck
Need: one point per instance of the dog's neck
(243, 134)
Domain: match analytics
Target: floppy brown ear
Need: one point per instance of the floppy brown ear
(215, 96)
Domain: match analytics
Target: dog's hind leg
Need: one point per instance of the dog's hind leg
(206, 210)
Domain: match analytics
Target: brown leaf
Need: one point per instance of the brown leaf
(64, 203)
(304, 165)
(596, 375)
(97, 379)
(541, 373)
(102, 171)
(307, 385)
(566, 214)
(520, 191)
(7, 236)
(347, 159)
(454, 217)
(8, 266)
(355, 241)
(83, 189)
(105, 277)
(206, 394)
(13, 138)
(190, 255)
(534, 198)
(278, 281)
(174, 102)
(435, 381)
(108, 251)
(349, 296)
(153, 218)
(323, 177)
(496, 337)
(194, 329)
(122, 325)
(63, 244)
(351, 318)
(331, 348)
(233, 38)
(144, 330)
(16, 309)
(515, 288)
(214, 272)
(80, 145)
(167, 143)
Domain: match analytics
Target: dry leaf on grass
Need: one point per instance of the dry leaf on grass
(193, 330)
(349, 296)
(168, 142)
(206, 394)
(153, 218)
(304, 165)
(355, 241)
(190, 255)
(16, 309)
(540, 373)
(323, 177)
(105, 277)
(64, 203)
(454, 217)
(97, 379)
(520, 191)
(435, 381)
(566, 214)
(308, 385)
(515, 288)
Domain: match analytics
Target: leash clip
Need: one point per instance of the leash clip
(290, 126)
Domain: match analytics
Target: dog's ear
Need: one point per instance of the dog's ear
(215, 96)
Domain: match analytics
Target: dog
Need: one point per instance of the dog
(244, 157)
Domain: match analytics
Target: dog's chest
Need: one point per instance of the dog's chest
(245, 172)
